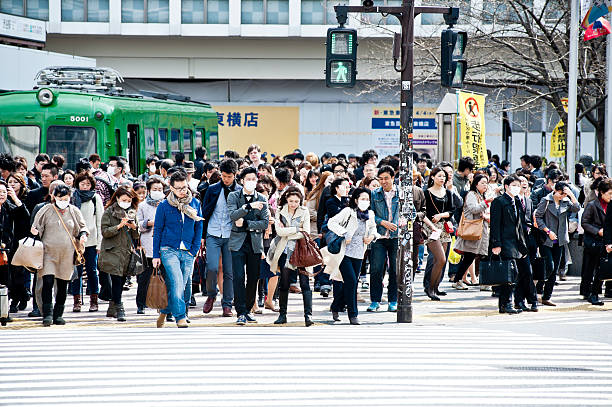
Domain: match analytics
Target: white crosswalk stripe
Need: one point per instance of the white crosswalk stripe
(390, 365)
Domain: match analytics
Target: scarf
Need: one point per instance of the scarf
(227, 190)
(604, 205)
(80, 197)
(152, 201)
(183, 206)
(364, 216)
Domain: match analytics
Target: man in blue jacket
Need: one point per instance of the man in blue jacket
(176, 242)
(218, 227)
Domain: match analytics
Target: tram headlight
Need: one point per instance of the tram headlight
(45, 96)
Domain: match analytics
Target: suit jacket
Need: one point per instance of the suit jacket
(255, 220)
(506, 229)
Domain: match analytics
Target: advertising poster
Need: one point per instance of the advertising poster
(386, 125)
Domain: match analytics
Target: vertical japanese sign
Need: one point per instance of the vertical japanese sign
(274, 128)
(471, 113)
(558, 137)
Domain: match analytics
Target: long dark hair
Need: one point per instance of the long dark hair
(475, 182)
(295, 191)
(433, 174)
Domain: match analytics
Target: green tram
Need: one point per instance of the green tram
(77, 123)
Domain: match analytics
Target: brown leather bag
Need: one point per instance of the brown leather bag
(306, 253)
(470, 229)
(157, 294)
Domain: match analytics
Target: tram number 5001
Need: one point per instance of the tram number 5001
(83, 119)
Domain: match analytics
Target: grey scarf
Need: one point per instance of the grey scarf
(183, 206)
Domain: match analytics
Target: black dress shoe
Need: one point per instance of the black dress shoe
(594, 300)
(534, 307)
(13, 309)
(308, 320)
(325, 293)
(432, 296)
(282, 319)
(440, 293)
(169, 318)
(140, 311)
(521, 306)
(35, 314)
(192, 302)
(335, 316)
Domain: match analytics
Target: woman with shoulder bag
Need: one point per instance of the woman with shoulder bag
(439, 209)
(292, 221)
(60, 226)
(593, 221)
(357, 225)
(119, 232)
(475, 208)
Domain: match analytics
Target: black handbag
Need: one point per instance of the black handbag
(496, 271)
(605, 268)
(538, 269)
(136, 264)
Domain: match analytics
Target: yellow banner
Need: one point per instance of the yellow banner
(274, 128)
(471, 113)
(558, 138)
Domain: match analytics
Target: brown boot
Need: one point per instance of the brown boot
(93, 303)
(76, 307)
(112, 310)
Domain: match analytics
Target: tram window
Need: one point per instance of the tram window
(20, 140)
(72, 142)
(199, 138)
(149, 141)
(162, 143)
(174, 140)
(187, 145)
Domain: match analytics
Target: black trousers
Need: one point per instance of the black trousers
(525, 288)
(117, 283)
(245, 258)
(105, 285)
(47, 290)
(143, 284)
(589, 284)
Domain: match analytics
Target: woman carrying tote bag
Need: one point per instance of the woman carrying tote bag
(475, 207)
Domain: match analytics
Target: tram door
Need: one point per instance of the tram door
(133, 152)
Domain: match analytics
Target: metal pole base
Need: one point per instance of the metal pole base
(404, 314)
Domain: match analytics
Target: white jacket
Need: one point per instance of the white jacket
(345, 224)
(93, 221)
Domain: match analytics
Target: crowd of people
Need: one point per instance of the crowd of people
(229, 228)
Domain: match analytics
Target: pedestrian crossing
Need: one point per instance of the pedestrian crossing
(391, 365)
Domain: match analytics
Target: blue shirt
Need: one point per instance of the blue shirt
(220, 224)
(172, 228)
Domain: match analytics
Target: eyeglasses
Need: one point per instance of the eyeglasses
(185, 188)
(339, 172)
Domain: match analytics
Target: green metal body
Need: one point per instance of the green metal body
(133, 127)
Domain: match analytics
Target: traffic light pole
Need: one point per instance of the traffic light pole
(407, 213)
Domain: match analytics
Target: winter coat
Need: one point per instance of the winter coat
(93, 220)
(474, 208)
(348, 217)
(116, 244)
(549, 217)
(285, 233)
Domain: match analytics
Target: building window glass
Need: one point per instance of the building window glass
(265, 12)
(144, 11)
(313, 12)
(38, 9)
(132, 11)
(157, 11)
(85, 10)
(12, 7)
(205, 12)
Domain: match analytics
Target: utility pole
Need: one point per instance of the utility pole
(407, 214)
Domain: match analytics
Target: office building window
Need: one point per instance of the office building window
(157, 11)
(144, 11)
(38, 9)
(265, 12)
(313, 12)
(205, 12)
(85, 10)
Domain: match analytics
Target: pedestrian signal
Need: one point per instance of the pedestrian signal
(341, 60)
(454, 65)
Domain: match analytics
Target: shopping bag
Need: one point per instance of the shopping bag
(29, 254)
(157, 294)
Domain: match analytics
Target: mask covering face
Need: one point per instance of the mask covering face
(515, 190)
(250, 185)
(124, 205)
(62, 204)
(363, 205)
(152, 168)
(157, 195)
(110, 170)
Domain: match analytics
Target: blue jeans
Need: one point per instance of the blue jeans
(91, 255)
(178, 265)
(383, 249)
(219, 247)
(350, 269)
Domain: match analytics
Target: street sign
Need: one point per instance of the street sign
(341, 58)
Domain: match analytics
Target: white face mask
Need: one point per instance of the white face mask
(157, 195)
(250, 185)
(152, 168)
(124, 205)
(515, 190)
(111, 170)
(363, 205)
(62, 204)
(297, 162)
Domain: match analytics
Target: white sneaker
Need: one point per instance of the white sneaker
(459, 286)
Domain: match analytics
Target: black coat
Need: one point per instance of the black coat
(593, 219)
(14, 225)
(607, 233)
(35, 197)
(507, 228)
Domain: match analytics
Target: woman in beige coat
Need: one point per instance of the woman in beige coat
(292, 221)
(60, 226)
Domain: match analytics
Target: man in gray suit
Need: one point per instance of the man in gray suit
(249, 213)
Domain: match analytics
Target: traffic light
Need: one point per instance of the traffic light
(341, 59)
(454, 65)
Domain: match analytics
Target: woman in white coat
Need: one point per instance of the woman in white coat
(291, 222)
(357, 225)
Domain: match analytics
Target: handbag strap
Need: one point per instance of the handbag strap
(72, 239)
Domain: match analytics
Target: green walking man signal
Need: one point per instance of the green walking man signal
(341, 60)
